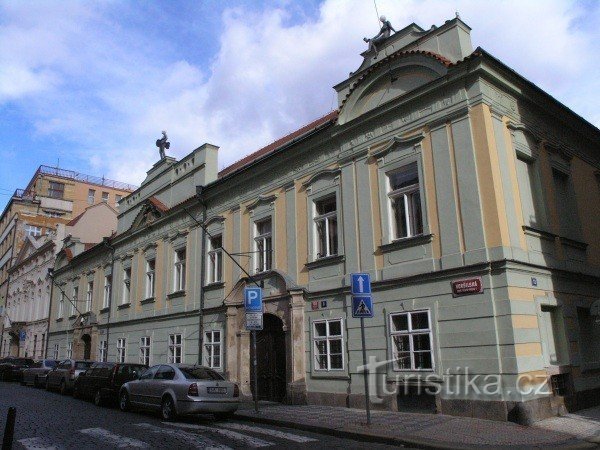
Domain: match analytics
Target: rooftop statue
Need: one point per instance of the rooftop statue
(163, 144)
(384, 33)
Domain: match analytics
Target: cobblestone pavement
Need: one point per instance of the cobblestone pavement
(584, 424)
(47, 420)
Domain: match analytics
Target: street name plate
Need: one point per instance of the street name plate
(254, 321)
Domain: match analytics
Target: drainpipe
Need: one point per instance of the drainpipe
(50, 270)
(106, 242)
(202, 274)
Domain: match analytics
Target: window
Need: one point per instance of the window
(32, 230)
(53, 214)
(61, 306)
(215, 259)
(145, 350)
(107, 291)
(43, 342)
(175, 348)
(553, 337)
(326, 227)
(589, 337)
(56, 190)
(565, 204)
(529, 188)
(69, 350)
(55, 352)
(264, 245)
(74, 302)
(150, 265)
(328, 345)
(212, 347)
(105, 197)
(88, 296)
(34, 345)
(411, 341)
(103, 350)
(91, 196)
(179, 270)
(121, 350)
(126, 286)
(405, 202)
(117, 200)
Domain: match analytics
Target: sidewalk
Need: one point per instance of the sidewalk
(584, 424)
(411, 429)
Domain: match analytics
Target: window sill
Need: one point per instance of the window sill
(539, 232)
(399, 244)
(330, 375)
(573, 243)
(72, 316)
(325, 261)
(147, 300)
(176, 294)
(213, 286)
(124, 306)
(60, 319)
(104, 310)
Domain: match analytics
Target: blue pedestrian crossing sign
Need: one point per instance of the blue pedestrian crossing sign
(362, 306)
(361, 284)
(253, 299)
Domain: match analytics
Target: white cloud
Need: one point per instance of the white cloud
(110, 89)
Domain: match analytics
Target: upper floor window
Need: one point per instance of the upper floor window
(566, 205)
(117, 200)
(107, 291)
(328, 344)
(88, 296)
(126, 285)
(529, 182)
(32, 230)
(326, 226)
(179, 270)
(105, 197)
(91, 196)
(56, 190)
(264, 245)
(74, 300)
(61, 305)
(150, 277)
(405, 202)
(411, 340)
(215, 259)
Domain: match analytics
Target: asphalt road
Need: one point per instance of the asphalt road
(47, 420)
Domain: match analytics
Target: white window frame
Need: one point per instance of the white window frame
(326, 219)
(33, 230)
(121, 350)
(91, 197)
(74, 300)
(103, 351)
(107, 291)
(407, 195)
(117, 200)
(61, 306)
(145, 350)
(175, 348)
(89, 296)
(328, 338)
(215, 261)
(126, 286)
(55, 352)
(179, 268)
(150, 278)
(69, 350)
(213, 348)
(410, 333)
(105, 196)
(52, 191)
(264, 257)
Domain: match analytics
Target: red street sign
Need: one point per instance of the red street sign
(467, 286)
(314, 305)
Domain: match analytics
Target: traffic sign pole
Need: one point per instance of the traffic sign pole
(255, 368)
(366, 370)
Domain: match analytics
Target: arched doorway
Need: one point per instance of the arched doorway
(87, 346)
(271, 361)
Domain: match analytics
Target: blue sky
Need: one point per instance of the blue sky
(91, 84)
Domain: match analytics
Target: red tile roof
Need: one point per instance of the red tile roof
(158, 204)
(332, 116)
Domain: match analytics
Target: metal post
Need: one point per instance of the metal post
(9, 429)
(255, 369)
(366, 370)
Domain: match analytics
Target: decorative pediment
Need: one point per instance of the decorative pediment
(151, 211)
(322, 180)
(214, 220)
(261, 200)
(380, 151)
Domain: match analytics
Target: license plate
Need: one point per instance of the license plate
(216, 390)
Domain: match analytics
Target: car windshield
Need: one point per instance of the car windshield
(200, 373)
(82, 365)
(51, 363)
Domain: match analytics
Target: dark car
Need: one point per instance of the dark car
(102, 381)
(12, 368)
(64, 375)
(36, 374)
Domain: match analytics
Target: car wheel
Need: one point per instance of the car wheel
(98, 398)
(223, 416)
(63, 388)
(124, 401)
(167, 409)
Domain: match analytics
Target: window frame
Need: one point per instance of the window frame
(214, 273)
(145, 350)
(74, 300)
(328, 338)
(209, 348)
(107, 291)
(410, 332)
(179, 270)
(103, 351)
(52, 189)
(263, 258)
(89, 296)
(105, 197)
(407, 194)
(126, 299)
(150, 277)
(33, 230)
(326, 219)
(69, 350)
(61, 305)
(91, 196)
(121, 350)
(173, 348)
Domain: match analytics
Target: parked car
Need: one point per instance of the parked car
(179, 389)
(12, 368)
(36, 374)
(103, 380)
(63, 376)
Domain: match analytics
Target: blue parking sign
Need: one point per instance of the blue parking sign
(253, 299)
(361, 284)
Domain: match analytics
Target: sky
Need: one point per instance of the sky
(90, 85)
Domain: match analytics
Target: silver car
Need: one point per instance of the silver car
(63, 376)
(36, 374)
(179, 389)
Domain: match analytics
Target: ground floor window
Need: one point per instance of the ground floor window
(411, 340)
(55, 352)
(145, 350)
(102, 350)
(121, 350)
(328, 344)
(212, 347)
(69, 350)
(175, 348)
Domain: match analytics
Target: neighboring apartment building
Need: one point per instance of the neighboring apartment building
(53, 196)
(467, 194)
(27, 306)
